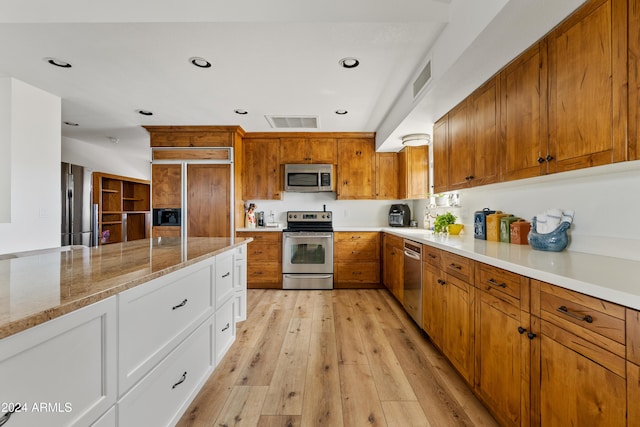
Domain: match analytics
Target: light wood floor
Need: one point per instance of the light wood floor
(332, 358)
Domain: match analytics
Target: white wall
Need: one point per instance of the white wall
(35, 168)
(111, 159)
(5, 150)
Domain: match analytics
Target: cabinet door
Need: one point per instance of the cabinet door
(208, 200)
(523, 115)
(633, 395)
(166, 184)
(294, 150)
(441, 155)
(458, 326)
(322, 150)
(261, 176)
(433, 303)
(502, 358)
(461, 151)
(484, 129)
(634, 80)
(587, 87)
(356, 162)
(414, 172)
(386, 176)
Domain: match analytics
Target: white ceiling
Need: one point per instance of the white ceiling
(277, 57)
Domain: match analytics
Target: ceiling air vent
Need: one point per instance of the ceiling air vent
(289, 122)
(423, 78)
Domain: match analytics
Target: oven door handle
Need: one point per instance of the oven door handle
(318, 236)
(309, 276)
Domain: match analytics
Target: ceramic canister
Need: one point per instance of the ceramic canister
(480, 223)
(505, 228)
(520, 231)
(493, 226)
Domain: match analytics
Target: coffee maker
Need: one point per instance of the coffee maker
(399, 215)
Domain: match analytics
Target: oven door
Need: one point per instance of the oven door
(307, 252)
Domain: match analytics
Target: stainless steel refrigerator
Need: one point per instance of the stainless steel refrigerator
(79, 214)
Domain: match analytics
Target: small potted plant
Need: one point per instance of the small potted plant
(443, 221)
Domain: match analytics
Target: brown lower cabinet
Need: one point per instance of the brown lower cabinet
(264, 259)
(392, 264)
(356, 260)
(542, 354)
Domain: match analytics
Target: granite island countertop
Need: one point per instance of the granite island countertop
(48, 284)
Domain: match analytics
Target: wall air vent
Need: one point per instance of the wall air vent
(423, 78)
(291, 122)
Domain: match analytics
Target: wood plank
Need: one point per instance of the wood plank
(280, 421)
(323, 314)
(322, 404)
(243, 406)
(360, 401)
(348, 340)
(287, 386)
(402, 414)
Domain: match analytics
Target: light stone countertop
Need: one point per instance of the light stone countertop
(44, 285)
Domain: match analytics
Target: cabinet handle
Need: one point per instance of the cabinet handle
(549, 157)
(492, 281)
(521, 330)
(541, 160)
(565, 310)
(531, 335)
(5, 418)
(182, 379)
(469, 177)
(432, 256)
(442, 282)
(225, 327)
(456, 266)
(227, 274)
(182, 304)
(356, 237)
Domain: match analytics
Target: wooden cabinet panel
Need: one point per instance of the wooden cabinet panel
(460, 151)
(414, 172)
(307, 150)
(166, 231)
(356, 259)
(492, 279)
(634, 80)
(264, 259)
(441, 155)
(458, 266)
(323, 150)
(587, 87)
(261, 174)
(166, 185)
(387, 176)
(633, 395)
(192, 136)
(433, 302)
(356, 162)
(523, 115)
(458, 326)
(393, 262)
(208, 200)
(484, 131)
(432, 256)
(633, 335)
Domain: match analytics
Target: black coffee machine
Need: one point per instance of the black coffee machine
(399, 215)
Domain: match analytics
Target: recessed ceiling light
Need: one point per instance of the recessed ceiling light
(58, 62)
(145, 112)
(200, 62)
(349, 62)
(71, 124)
(241, 112)
(341, 112)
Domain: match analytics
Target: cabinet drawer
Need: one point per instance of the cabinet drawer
(358, 236)
(163, 395)
(492, 279)
(224, 277)
(458, 266)
(431, 255)
(264, 252)
(225, 332)
(262, 237)
(357, 272)
(264, 272)
(69, 361)
(155, 316)
(365, 250)
(588, 317)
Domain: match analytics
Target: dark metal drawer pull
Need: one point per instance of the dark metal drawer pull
(182, 379)
(492, 281)
(432, 256)
(225, 327)
(227, 274)
(442, 282)
(521, 330)
(456, 266)
(182, 304)
(566, 311)
(5, 418)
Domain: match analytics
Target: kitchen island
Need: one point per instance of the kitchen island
(138, 326)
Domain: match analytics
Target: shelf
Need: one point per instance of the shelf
(107, 190)
(110, 222)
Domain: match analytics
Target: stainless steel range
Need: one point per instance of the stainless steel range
(307, 250)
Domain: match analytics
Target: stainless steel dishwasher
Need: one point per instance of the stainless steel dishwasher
(412, 298)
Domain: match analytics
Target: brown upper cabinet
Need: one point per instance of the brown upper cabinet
(193, 136)
(356, 163)
(387, 176)
(167, 185)
(261, 171)
(413, 170)
(634, 79)
(587, 87)
(308, 150)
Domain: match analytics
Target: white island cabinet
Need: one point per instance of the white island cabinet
(61, 372)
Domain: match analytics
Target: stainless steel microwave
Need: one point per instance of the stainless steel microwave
(308, 177)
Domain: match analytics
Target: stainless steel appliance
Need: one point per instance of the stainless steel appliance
(412, 300)
(79, 215)
(399, 215)
(307, 250)
(162, 217)
(308, 177)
